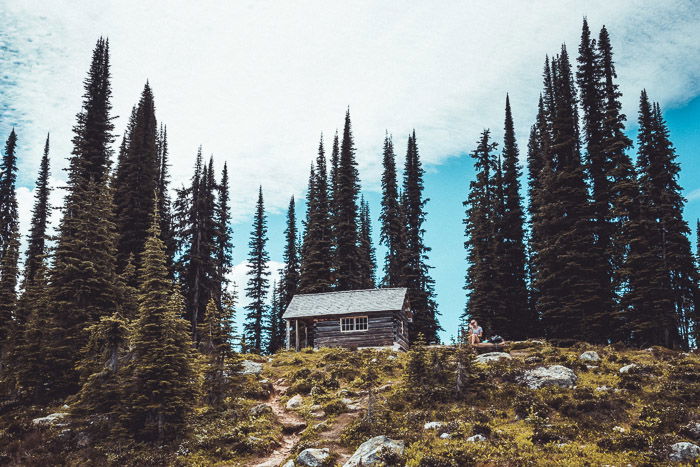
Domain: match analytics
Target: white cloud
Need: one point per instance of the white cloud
(256, 82)
(694, 195)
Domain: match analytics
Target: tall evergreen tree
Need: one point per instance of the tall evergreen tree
(368, 259)
(36, 245)
(163, 197)
(158, 391)
(564, 278)
(258, 281)
(8, 196)
(289, 280)
(9, 273)
(519, 322)
(345, 199)
(316, 251)
(483, 293)
(417, 274)
(393, 227)
(136, 181)
(223, 238)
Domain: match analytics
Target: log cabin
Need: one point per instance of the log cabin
(352, 319)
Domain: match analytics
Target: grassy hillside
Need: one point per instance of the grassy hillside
(607, 417)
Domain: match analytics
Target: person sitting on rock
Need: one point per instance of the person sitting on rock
(475, 332)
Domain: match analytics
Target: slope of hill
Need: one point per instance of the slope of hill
(542, 405)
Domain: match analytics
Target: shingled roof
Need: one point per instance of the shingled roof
(347, 302)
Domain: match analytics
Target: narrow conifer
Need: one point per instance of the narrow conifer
(36, 245)
(258, 282)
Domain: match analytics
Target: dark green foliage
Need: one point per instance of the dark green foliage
(316, 251)
(136, 181)
(518, 322)
(367, 256)
(83, 283)
(393, 230)
(8, 196)
(421, 287)
(258, 282)
(346, 215)
(221, 378)
(36, 245)
(100, 367)
(484, 302)
(163, 197)
(158, 388)
(564, 273)
(9, 273)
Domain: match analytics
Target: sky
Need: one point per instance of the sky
(258, 83)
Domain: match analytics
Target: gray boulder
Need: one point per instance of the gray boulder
(295, 402)
(589, 356)
(631, 368)
(250, 367)
(693, 430)
(492, 357)
(684, 452)
(555, 375)
(312, 457)
(51, 419)
(369, 453)
(289, 463)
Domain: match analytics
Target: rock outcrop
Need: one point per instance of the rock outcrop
(369, 453)
(555, 375)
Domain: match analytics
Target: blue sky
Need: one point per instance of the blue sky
(256, 82)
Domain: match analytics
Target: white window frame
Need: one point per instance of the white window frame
(351, 323)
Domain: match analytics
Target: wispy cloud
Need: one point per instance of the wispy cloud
(257, 82)
(693, 195)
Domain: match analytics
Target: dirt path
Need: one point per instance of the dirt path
(289, 440)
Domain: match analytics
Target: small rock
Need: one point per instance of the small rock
(51, 419)
(492, 357)
(280, 382)
(318, 414)
(693, 430)
(619, 429)
(589, 356)
(591, 367)
(384, 388)
(555, 375)
(289, 463)
(250, 367)
(368, 454)
(602, 389)
(684, 452)
(264, 381)
(629, 368)
(295, 402)
(476, 438)
(391, 357)
(433, 425)
(533, 359)
(446, 436)
(259, 410)
(312, 457)
(293, 427)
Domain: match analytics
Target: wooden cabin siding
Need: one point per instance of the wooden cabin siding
(380, 331)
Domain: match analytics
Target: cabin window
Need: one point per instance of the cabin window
(353, 324)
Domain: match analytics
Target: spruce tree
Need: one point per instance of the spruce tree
(9, 273)
(136, 180)
(158, 389)
(223, 244)
(368, 260)
(274, 326)
(345, 198)
(223, 364)
(8, 196)
(393, 227)
(36, 245)
(421, 287)
(518, 322)
(484, 299)
(163, 197)
(258, 282)
(568, 291)
(316, 252)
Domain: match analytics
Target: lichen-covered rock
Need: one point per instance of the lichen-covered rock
(693, 430)
(51, 419)
(631, 368)
(433, 425)
(312, 457)
(492, 357)
(295, 402)
(250, 367)
(589, 356)
(476, 438)
(684, 452)
(369, 453)
(555, 375)
(260, 409)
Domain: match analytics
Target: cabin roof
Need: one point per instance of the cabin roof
(346, 302)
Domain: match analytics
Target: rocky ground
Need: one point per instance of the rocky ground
(535, 404)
